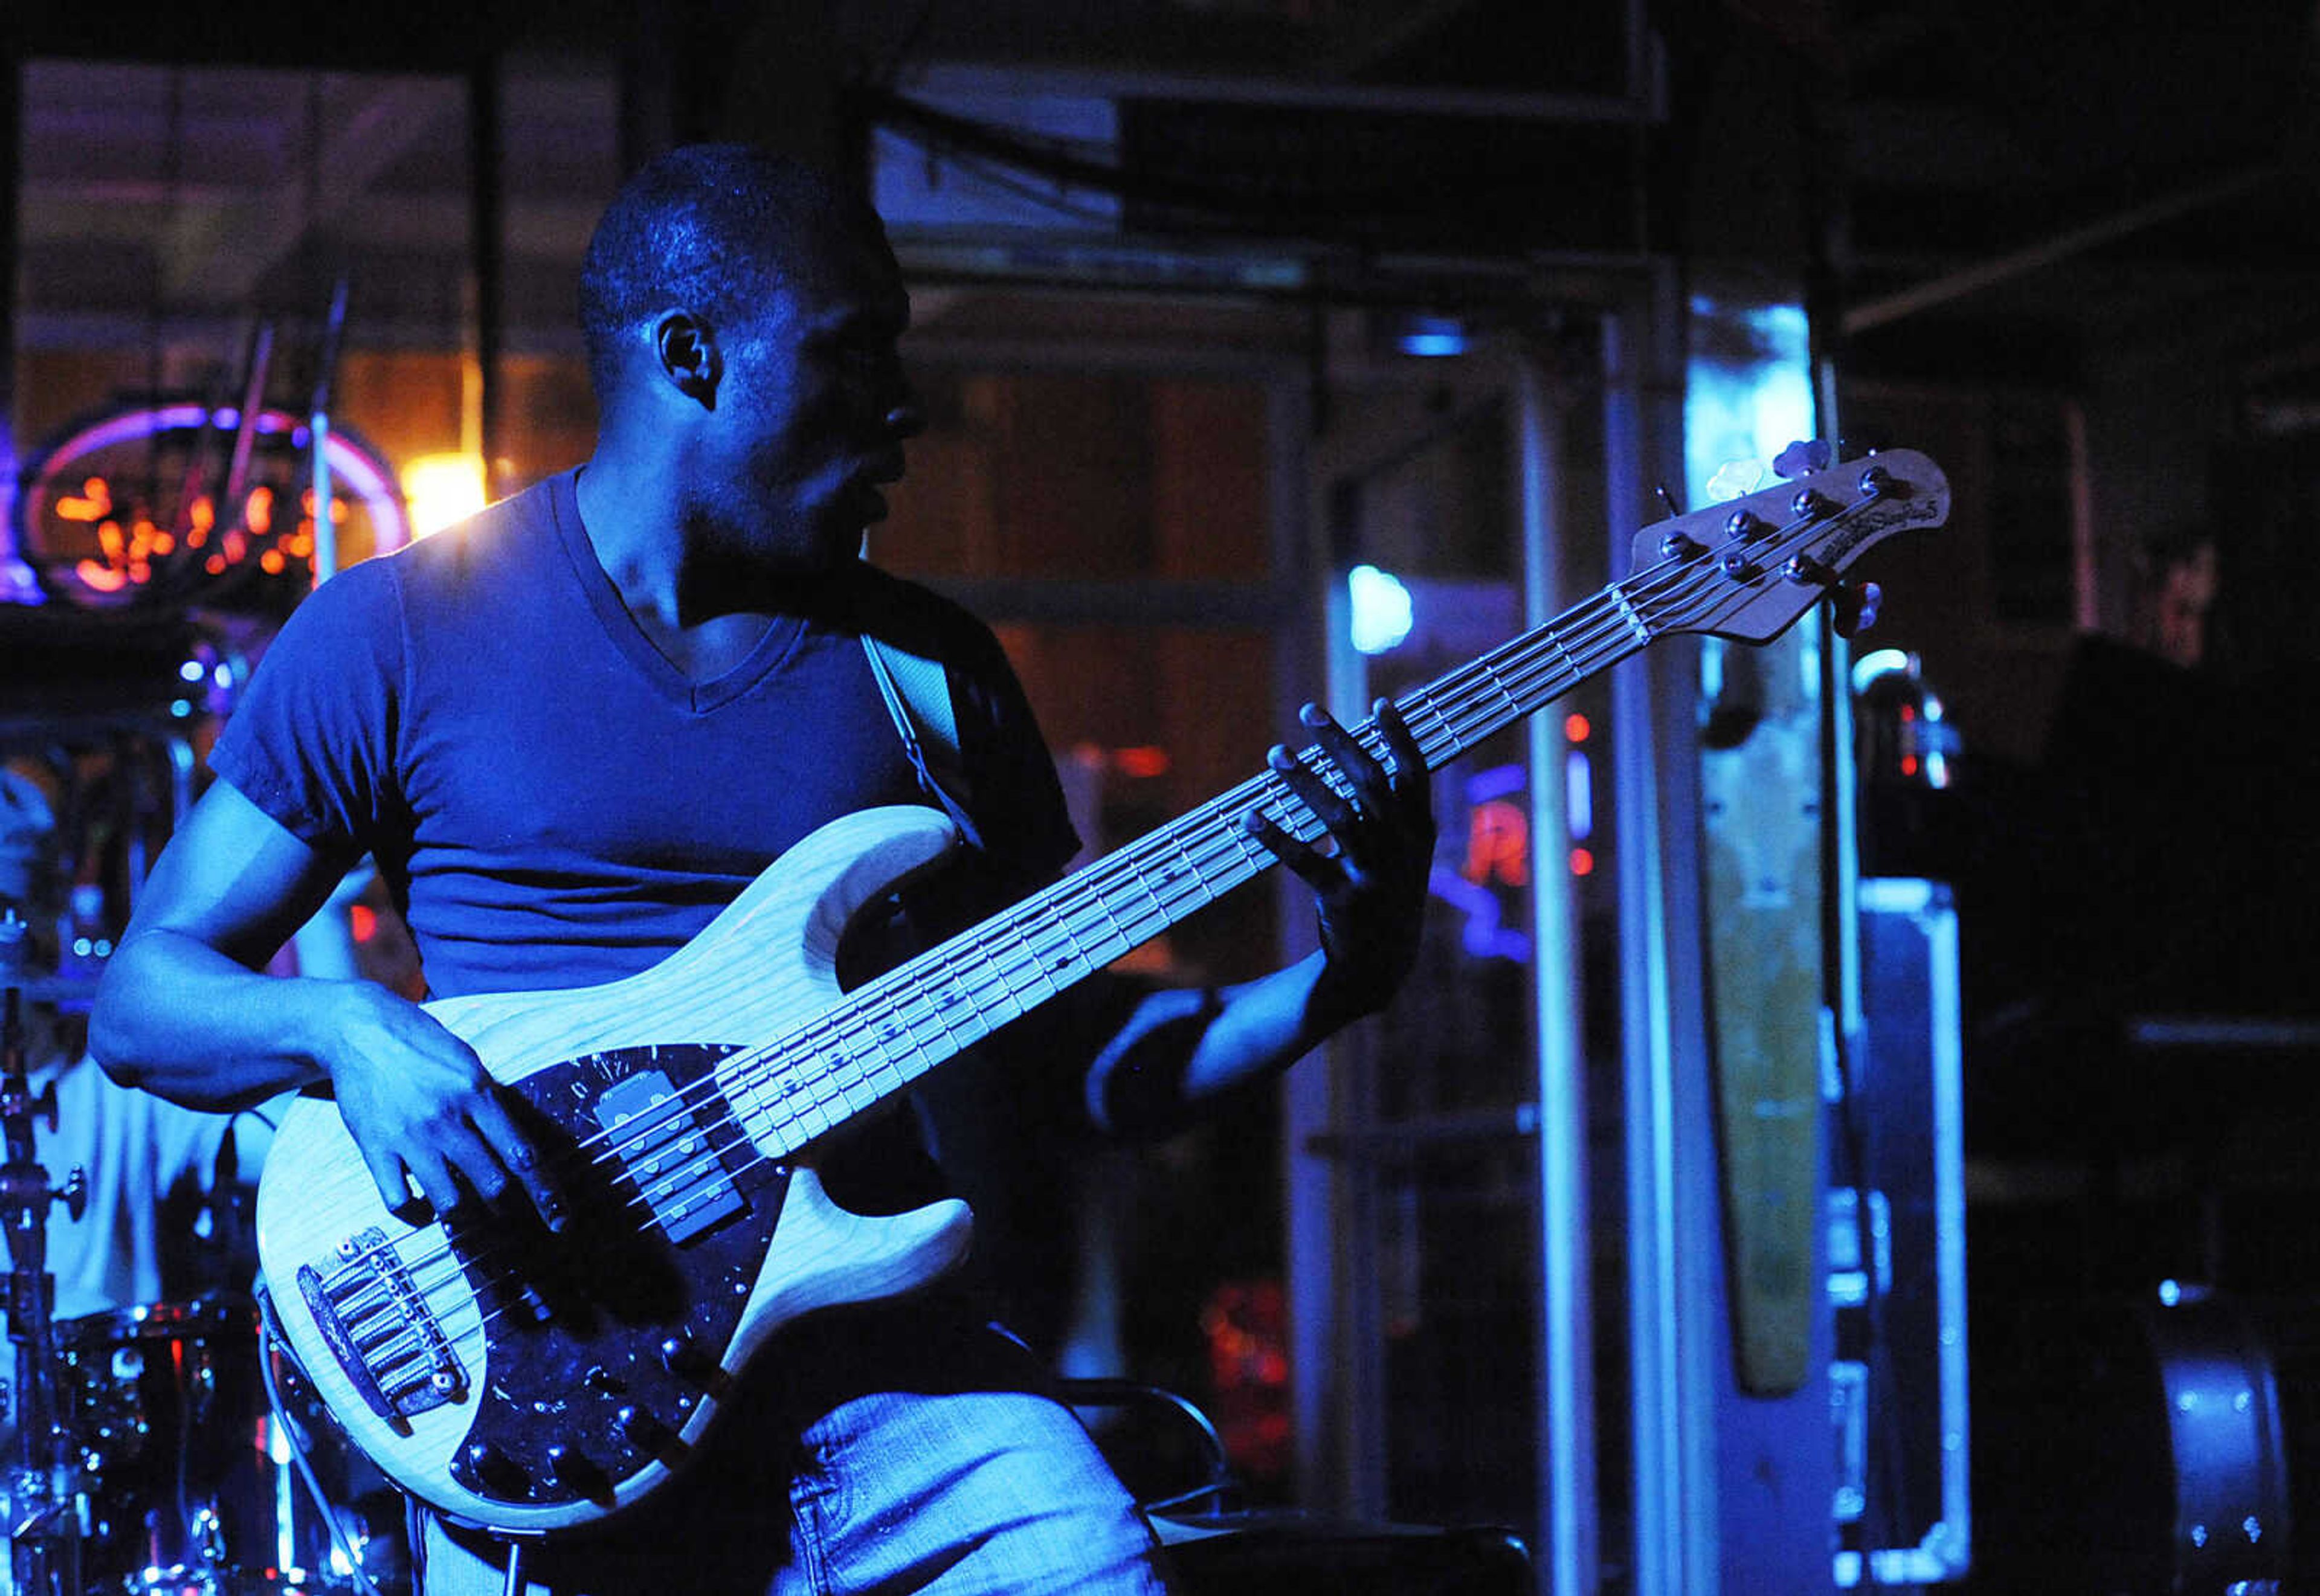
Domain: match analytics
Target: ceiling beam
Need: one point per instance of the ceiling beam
(216, 255)
(2078, 240)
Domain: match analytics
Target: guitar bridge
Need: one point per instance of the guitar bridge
(379, 1328)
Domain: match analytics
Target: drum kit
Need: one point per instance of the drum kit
(165, 1449)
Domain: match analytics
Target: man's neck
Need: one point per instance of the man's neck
(639, 542)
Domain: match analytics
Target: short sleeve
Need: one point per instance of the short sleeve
(1018, 801)
(311, 742)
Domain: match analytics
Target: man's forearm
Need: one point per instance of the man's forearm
(183, 1020)
(1181, 1047)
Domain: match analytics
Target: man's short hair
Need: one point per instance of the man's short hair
(715, 227)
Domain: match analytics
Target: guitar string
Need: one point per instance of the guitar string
(873, 1022)
(399, 1341)
(1450, 702)
(1427, 700)
(1691, 568)
(1451, 706)
(1010, 943)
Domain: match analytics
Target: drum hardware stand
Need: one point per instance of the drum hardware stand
(46, 1498)
(272, 1341)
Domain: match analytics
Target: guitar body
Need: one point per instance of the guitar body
(524, 1380)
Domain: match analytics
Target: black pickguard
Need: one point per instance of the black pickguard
(604, 1338)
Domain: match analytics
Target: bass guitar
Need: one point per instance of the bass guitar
(527, 1382)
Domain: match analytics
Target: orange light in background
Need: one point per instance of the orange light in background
(258, 513)
(1498, 844)
(94, 502)
(1576, 728)
(1582, 861)
(441, 489)
(1143, 761)
(362, 921)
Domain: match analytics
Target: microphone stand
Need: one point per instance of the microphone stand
(44, 1493)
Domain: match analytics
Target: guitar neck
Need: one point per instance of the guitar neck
(896, 1028)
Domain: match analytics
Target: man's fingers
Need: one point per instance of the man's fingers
(1318, 870)
(386, 1174)
(515, 1152)
(1330, 807)
(1409, 777)
(432, 1175)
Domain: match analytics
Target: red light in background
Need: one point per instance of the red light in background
(363, 921)
(1909, 764)
(1143, 761)
(1576, 728)
(1582, 861)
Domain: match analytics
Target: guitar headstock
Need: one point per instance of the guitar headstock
(1748, 568)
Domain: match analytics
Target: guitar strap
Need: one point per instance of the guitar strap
(917, 691)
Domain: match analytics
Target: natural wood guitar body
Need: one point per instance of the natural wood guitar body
(614, 1287)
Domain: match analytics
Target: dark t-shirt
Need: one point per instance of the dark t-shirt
(553, 803)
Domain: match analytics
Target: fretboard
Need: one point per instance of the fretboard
(893, 1030)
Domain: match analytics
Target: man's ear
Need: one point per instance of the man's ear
(685, 350)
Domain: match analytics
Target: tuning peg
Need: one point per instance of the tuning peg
(74, 1192)
(1854, 607)
(1802, 458)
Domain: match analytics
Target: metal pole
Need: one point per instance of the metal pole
(1565, 1398)
(485, 223)
(1671, 1243)
(17, 585)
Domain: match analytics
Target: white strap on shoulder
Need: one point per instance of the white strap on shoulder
(917, 691)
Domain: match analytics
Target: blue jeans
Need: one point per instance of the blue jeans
(945, 1476)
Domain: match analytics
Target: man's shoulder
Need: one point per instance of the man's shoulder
(492, 545)
(918, 620)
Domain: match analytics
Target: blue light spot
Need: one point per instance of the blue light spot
(1382, 608)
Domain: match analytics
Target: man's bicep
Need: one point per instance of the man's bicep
(235, 878)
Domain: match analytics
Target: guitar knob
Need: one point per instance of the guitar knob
(1809, 505)
(682, 1356)
(572, 1469)
(495, 1471)
(639, 1429)
(1745, 525)
(1804, 569)
(1876, 482)
(1676, 546)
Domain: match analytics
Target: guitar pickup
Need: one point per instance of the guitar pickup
(666, 1148)
(381, 1330)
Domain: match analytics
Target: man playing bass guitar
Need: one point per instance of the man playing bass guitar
(574, 729)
